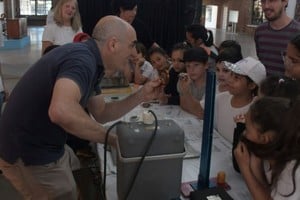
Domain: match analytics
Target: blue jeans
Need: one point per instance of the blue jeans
(2, 98)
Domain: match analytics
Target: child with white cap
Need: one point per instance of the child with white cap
(243, 83)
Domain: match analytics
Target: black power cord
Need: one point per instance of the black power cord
(144, 155)
(105, 159)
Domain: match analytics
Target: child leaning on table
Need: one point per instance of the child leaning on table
(246, 75)
(160, 62)
(143, 70)
(268, 154)
(170, 94)
(191, 86)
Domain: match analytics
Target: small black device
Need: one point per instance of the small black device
(216, 193)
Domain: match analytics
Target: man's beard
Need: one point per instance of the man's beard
(275, 16)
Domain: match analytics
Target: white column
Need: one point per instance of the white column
(290, 10)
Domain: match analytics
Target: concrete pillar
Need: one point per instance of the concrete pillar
(290, 10)
(9, 8)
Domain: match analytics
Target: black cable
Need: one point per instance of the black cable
(105, 159)
(144, 155)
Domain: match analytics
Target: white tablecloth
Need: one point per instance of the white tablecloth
(221, 159)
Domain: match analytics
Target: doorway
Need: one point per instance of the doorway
(224, 19)
(211, 15)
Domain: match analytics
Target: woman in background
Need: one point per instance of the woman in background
(127, 10)
(67, 24)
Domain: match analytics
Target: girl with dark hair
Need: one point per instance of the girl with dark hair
(271, 138)
(170, 95)
(66, 24)
(230, 44)
(272, 86)
(160, 62)
(143, 70)
(279, 86)
(198, 36)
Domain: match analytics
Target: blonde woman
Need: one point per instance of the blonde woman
(67, 24)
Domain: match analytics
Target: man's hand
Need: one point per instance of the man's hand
(152, 89)
(163, 98)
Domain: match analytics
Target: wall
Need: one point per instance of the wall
(290, 10)
(10, 8)
(1, 7)
(243, 6)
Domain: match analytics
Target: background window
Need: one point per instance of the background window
(35, 7)
(257, 13)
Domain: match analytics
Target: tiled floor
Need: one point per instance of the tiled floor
(16, 62)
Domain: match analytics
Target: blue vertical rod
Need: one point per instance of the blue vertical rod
(208, 126)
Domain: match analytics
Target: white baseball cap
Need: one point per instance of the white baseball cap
(250, 67)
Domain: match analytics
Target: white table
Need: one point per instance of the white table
(221, 159)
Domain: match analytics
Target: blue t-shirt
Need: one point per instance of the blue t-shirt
(26, 130)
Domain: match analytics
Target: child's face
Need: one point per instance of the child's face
(195, 70)
(158, 61)
(190, 39)
(177, 61)
(239, 85)
(137, 57)
(252, 132)
(222, 73)
(292, 62)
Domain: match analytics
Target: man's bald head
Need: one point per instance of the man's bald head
(109, 26)
(116, 40)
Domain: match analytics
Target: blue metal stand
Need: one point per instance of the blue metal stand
(208, 126)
